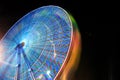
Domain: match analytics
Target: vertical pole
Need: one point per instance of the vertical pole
(28, 65)
(18, 65)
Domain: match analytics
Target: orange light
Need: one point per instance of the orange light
(72, 62)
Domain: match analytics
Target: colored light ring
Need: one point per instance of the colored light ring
(73, 60)
(47, 33)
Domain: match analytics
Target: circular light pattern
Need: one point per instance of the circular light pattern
(36, 47)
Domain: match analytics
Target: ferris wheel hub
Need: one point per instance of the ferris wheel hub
(21, 45)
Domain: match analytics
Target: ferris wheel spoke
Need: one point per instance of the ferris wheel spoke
(10, 54)
(7, 66)
(56, 39)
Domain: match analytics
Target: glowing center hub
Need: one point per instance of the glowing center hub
(23, 43)
(20, 45)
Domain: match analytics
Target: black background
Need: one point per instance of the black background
(98, 31)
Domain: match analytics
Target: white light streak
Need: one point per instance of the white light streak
(48, 72)
(55, 55)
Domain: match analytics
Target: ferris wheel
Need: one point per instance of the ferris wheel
(36, 46)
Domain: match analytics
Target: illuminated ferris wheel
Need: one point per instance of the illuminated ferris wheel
(37, 46)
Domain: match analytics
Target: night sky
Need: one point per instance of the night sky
(99, 52)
